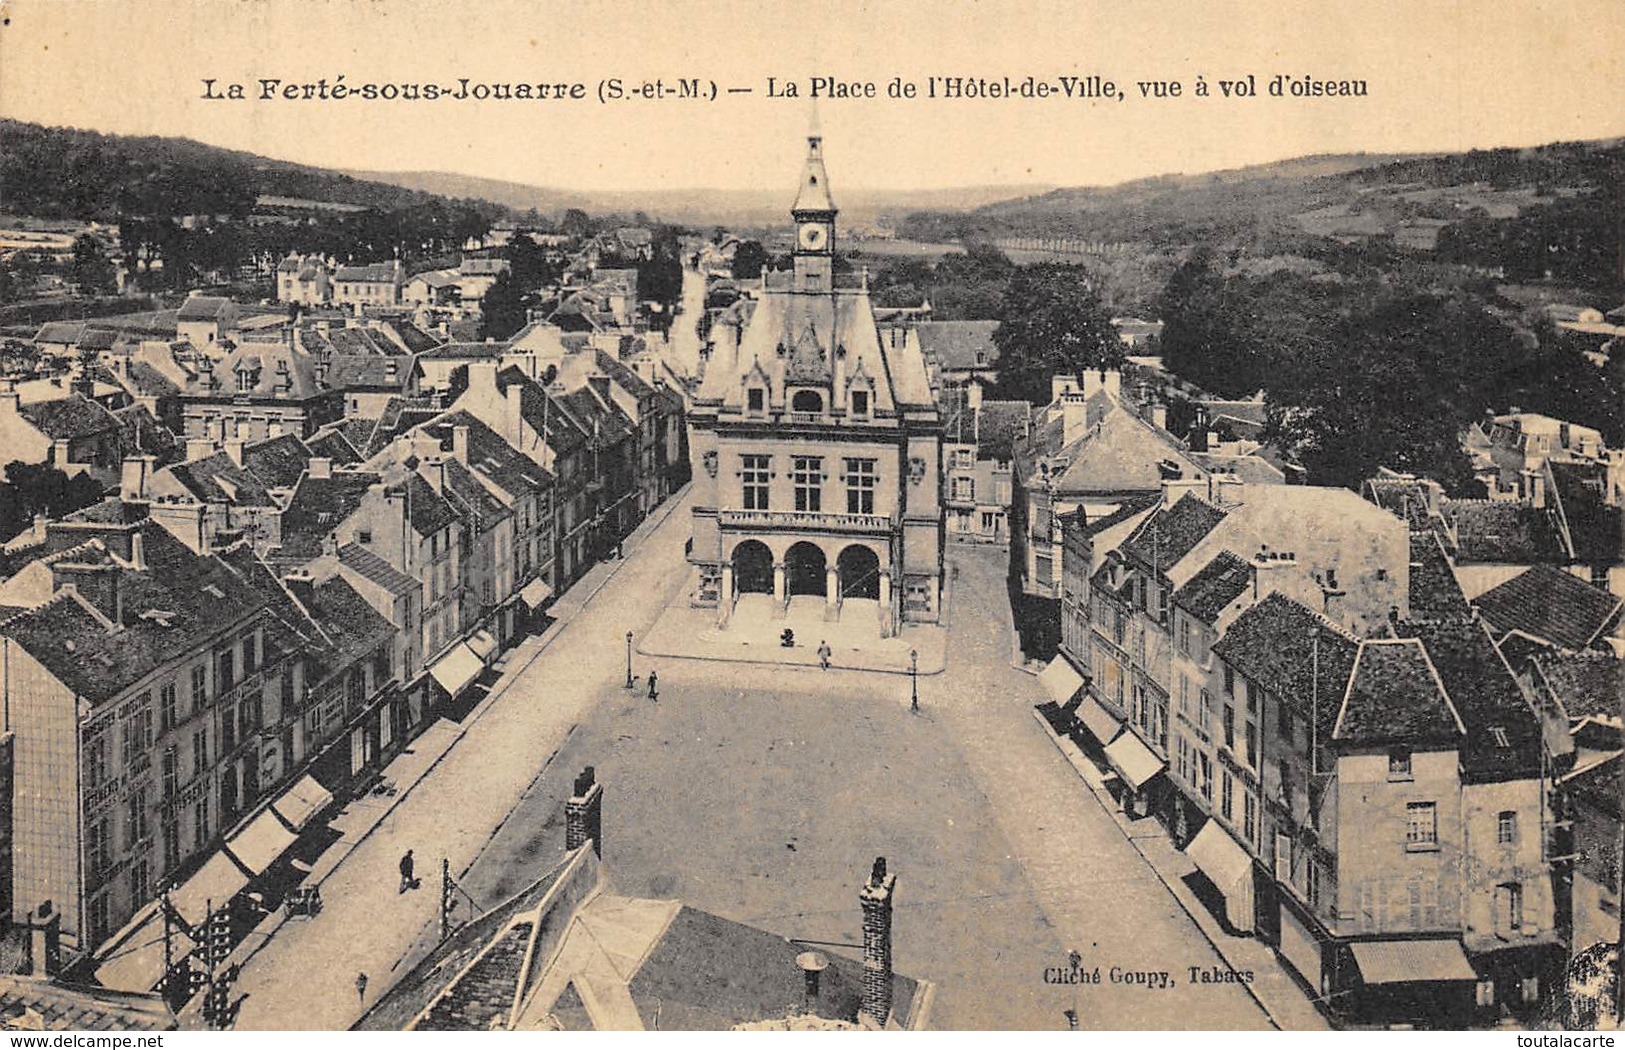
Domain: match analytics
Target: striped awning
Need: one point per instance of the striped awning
(1101, 722)
(1060, 680)
(457, 669)
(302, 802)
(1398, 962)
(1133, 761)
(259, 844)
(535, 592)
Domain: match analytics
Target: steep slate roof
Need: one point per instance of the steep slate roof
(1395, 697)
(1434, 592)
(1272, 644)
(331, 443)
(203, 308)
(361, 342)
(1503, 731)
(426, 509)
(140, 432)
(371, 567)
(1406, 498)
(1217, 584)
(69, 417)
(471, 500)
(545, 414)
(317, 507)
(65, 1007)
(272, 370)
(466, 352)
(606, 425)
(1128, 508)
(288, 628)
(1547, 603)
(415, 339)
(217, 479)
(368, 372)
(378, 272)
(1171, 532)
(278, 462)
(352, 627)
(1120, 454)
(1502, 531)
(197, 595)
(511, 470)
(1588, 684)
(955, 344)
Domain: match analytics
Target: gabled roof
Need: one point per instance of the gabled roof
(375, 569)
(278, 462)
(204, 308)
(216, 478)
(141, 433)
(1434, 592)
(489, 455)
(1547, 603)
(1395, 697)
(368, 372)
(959, 345)
(1589, 684)
(1295, 654)
(427, 510)
(70, 417)
(1503, 732)
(197, 597)
(361, 341)
(377, 273)
(317, 507)
(466, 352)
(351, 626)
(1120, 453)
(1170, 533)
(265, 370)
(1217, 584)
(331, 443)
(470, 500)
(1501, 531)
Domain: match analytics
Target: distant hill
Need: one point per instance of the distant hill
(66, 173)
(696, 207)
(1347, 197)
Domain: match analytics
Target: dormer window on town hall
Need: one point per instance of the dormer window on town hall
(756, 401)
(810, 401)
(860, 403)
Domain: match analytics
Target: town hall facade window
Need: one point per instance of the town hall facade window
(860, 486)
(754, 473)
(807, 475)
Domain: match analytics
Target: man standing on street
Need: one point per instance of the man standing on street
(654, 694)
(824, 653)
(361, 985)
(407, 882)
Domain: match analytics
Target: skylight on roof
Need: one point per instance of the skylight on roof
(1500, 735)
(212, 591)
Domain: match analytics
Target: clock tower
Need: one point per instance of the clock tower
(814, 216)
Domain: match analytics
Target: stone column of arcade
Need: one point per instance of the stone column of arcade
(725, 595)
(885, 603)
(778, 585)
(832, 586)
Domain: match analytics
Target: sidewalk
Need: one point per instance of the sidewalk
(752, 637)
(1274, 989)
(360, 818)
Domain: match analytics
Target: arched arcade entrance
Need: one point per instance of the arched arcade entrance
(753, 568)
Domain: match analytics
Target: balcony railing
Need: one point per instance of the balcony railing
(805, 519)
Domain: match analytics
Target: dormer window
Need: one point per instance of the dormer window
(756, 401)
(809, 401)
(860, 402)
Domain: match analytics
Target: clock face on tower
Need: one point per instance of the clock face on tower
(813, 236)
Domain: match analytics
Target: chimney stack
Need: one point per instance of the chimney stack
(44, 941)
(459, 444)
(812, 966)
(319, 467)
(234, 450)
(583, 814)
(876, 899)
(137, 472)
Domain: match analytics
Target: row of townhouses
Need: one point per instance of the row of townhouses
(339, 542)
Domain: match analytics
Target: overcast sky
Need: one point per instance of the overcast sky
(1440, 76)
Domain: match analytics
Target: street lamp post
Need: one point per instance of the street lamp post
(629, 683)
(914, 680)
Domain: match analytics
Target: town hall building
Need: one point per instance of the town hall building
(820, 445)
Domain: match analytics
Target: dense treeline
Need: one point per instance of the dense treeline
(65, 173)
(1366, 374)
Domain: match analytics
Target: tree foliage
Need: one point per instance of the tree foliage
(36, 488)
(91, 271)
(1052, 323)
(749, 258)
(503, 308)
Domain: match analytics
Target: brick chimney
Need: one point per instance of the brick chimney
(584, 813)
(44, 941)
(133, 481)
(876, 899)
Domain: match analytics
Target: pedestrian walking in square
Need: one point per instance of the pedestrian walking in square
(407, 881)
(361, 986)
(824, 653)
(654, 693)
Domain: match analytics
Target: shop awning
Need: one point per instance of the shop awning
(1100, 721)
(218, 881)
(1059, 680)
(1220, 857)
(454, 671)
(135, 962)
(302, 802)
(483, 644)
(259, 844)
(1133, 761)
(535, 592)
(1397, 962)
